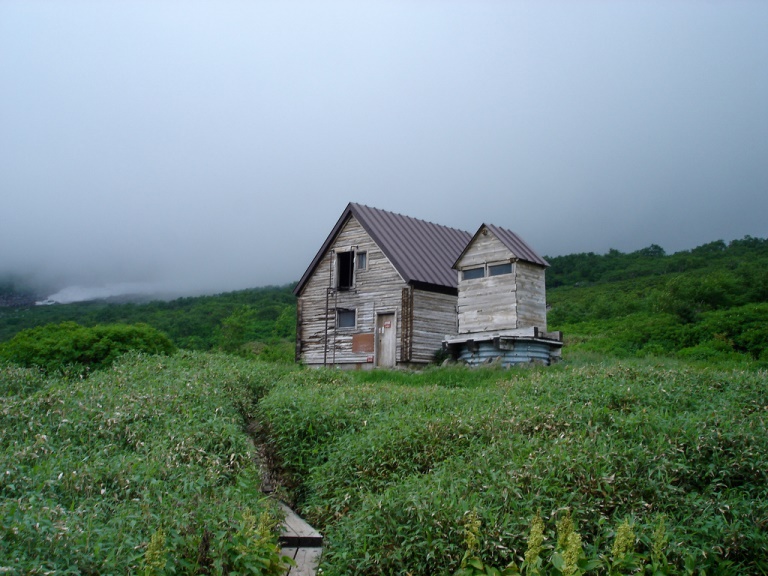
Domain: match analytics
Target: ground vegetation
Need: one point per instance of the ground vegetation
(395, 472)
(143, 467)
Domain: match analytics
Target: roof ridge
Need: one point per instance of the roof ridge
(421, 251)
(405, 216)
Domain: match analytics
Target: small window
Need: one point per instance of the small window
(499, 269)
(362, 260)
(345, 318)
(472, 273)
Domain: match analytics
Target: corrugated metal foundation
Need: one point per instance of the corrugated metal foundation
(521, 352)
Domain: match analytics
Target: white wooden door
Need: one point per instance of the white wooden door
(386, 342)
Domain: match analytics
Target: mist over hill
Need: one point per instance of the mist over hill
(25, 289)
(16, 290)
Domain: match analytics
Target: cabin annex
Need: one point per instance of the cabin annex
(386, 290)
(501, 306)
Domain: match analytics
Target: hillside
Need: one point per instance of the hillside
(706, 304)
(225, 321)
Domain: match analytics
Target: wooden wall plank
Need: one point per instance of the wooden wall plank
(434, 316)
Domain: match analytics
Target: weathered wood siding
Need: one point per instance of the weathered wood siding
(434, 316)
(485, 249)
(488, 303)
(531, 296)
(506, 301)
(378, 288)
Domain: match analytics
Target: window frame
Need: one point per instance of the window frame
(361, 261)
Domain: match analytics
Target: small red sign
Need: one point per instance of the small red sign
(387, 324)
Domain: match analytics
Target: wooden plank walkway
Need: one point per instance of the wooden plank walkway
(298, 539)
(306, 560)
(297, 533)
(301, 542)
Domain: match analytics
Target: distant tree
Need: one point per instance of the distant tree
(710, 248)
(652, 251)
(285, 325)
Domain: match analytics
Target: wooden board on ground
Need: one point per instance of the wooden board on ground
(297, 533)
(306, 560)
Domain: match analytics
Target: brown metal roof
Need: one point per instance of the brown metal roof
(517, 245)
(421, 252)
(512, 241)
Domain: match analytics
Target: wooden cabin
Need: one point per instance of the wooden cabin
(381, 291)
(390, 290)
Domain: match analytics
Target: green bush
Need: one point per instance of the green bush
(56, 347)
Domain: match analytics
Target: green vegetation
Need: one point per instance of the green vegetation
(709, 304)
(390, 471)
(141, 468)
(71, 347)
(224, 321)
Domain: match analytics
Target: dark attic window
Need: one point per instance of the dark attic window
(346, 270)
(499, 269)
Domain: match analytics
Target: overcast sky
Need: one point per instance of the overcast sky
(212, 145)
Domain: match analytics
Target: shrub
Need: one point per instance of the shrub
(58, 347)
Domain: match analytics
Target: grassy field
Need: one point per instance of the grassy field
(650, 440)
(393, 466)
(147, 467)
(144, 467)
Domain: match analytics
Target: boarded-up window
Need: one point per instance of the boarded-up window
(363, 343)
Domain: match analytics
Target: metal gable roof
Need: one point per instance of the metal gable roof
(421, 252)
(517, 245)
(519, 248)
